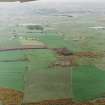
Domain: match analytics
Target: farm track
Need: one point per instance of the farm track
(16, 49)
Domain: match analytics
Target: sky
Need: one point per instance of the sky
(74, 0)
(41, 1)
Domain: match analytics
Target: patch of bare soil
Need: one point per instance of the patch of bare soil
(67, 102)
(87, 54)
(65, 61)
(66, 58)
(62, 51)
(94, 102)
(10, 96)
(53, 102)
(99, 102)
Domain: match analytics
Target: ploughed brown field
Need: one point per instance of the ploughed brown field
(10, 96)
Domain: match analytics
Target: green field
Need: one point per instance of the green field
(12, 73)
(39, 82)
(87, 83)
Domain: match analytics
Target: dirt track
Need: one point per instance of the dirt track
(22, 48)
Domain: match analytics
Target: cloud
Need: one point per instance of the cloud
(72, 0)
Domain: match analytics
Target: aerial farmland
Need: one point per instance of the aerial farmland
(52, 55)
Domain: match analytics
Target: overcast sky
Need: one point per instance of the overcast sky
(75, 0)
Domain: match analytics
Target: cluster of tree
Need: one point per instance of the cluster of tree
(35, 27)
